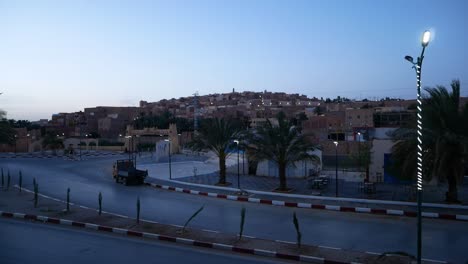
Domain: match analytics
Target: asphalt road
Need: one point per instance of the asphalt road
(25, 242)
(442, 239)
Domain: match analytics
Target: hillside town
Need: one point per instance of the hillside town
(356, 125)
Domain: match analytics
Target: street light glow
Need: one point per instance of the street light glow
(336, 143)
(236, 141)
(426, 38)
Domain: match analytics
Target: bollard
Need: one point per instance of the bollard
(36, 190)
(8, 180)
(68, 199)
(20, 180)
(298, 232)
(138, 210)
(242, 223)
(100, 203)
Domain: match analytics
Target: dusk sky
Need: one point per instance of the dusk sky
(63, 56)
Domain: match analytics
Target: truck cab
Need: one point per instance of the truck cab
(125, 172)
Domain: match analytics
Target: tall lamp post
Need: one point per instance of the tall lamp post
(16, 136)
(170, 167)
(121, 146)
(359, 151)
(128, 145)
(27, 143)
(238, 167)
(417, 66)
(243, 162)
(81, 137)
(336, 168)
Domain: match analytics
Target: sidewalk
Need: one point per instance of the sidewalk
(459, 212)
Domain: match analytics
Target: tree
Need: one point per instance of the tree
(7, 133)
(318, 110)
(163, 121)
(445, 140)
(283, 145)
(363, 157)
(217, 135)
(23, 124)
(52, 141)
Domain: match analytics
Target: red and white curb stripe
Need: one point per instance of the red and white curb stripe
(126, 232)
(315, 206)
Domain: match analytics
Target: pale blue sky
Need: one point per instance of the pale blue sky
(62, 56)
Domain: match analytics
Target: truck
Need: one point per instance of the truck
(126, 173)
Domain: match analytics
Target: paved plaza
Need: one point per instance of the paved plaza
(204, 170)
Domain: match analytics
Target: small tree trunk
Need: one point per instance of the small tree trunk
(222, 169)
(282, 177)
(452, 195)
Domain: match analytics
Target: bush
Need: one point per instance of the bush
(36, 191)
(298, 232)
(242, 223)
(192, 217)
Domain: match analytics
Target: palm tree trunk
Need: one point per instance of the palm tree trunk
(222, 170)
(282, 177)
(452, 195)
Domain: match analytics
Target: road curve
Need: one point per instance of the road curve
(442, 239)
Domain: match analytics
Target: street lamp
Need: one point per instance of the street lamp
(16, 136)
(336, 168)
(170, 167)
(417, 66)
(238, 168)
(128, 146)
(243, 162)
(359, 151)
(138, 148)
(178, 139)
(27, 143)
(81, 136)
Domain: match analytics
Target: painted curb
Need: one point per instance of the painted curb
(185, 241)
(336, 208)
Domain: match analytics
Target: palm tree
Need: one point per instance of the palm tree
(283, 145)
(217, 135)
(445, 140)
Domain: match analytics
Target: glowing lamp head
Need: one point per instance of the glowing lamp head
(336, 143)
(426, 38)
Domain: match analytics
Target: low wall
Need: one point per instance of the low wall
(111, 148)
(350, 176)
